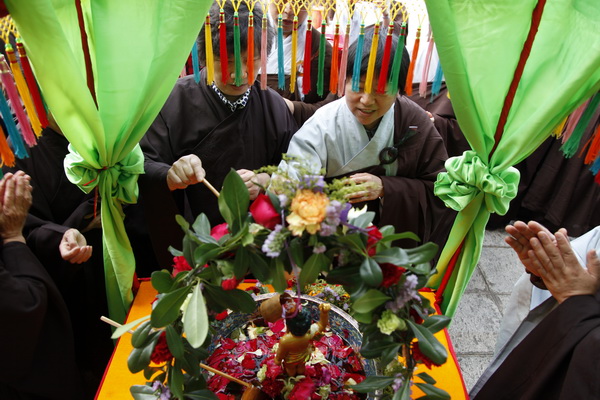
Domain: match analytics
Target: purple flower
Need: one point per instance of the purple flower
(315, 183)
(406, 293)
(398, 382)
(159, 388)
(336, 213)
(283, 200)
(274, 242)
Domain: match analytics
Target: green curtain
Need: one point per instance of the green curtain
(479, 44)
(138, 49)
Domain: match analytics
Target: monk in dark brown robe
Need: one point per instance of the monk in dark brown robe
(206, 129)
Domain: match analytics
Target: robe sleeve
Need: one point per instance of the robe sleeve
(157, 158)
(409, 203)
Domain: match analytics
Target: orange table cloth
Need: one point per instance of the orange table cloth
(117, 378)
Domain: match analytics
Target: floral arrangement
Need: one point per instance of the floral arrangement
(334, 294)
(307, 230)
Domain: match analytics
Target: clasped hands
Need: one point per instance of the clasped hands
(188, 171)
(551, 257)
(371, 187)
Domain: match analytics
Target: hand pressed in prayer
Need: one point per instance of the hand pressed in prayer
(15, 200)
(185, 172)
(558, 266)
(370, 187)
(520, 236)
(254, 182)
(73, 247)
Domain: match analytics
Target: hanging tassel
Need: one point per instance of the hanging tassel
(8, 158)
(573, 120)
(237, 55)
(23, 91)
(594, 149)
(413, 61)
(223, 47)
(195, 62)
(32, 84)
(210, 58)
(436, 86)
(595, 168)
(425, 74)
(333, 76)
(250, 52)
(358, 59)
(13, 96)
(280, 60)
(372, 58)
(387, 50)
(344, 63)
(571, 146)
(13, 133)
(393, 81)
(558, 130)
(321, 72)
(263, 53)
(294, 60)
(307, 55)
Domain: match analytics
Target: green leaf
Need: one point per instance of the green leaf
(195, 319)
(125, 328)
(142, 392)
(422, 254)
(174, 252)
(241, 262)
(425, 377)
(432, 392)
(363, 318)
(203, 394)
(363, 220)
(370, 301)
(354, 241)
(259, 267)
(389, 354)
(428, 344)
(436, 323)
(206, 252)
(419, 269)
(370, 272)
(235, 198)
(175, 342)
(176, 380)
(140, 336)
(403, 393)
(279, 281)
(296, 251)
(399, 236)
(311, 269)
(395, 255)
(374, 349)
(155, 372)
(167, 307)
(189, 247)
(372, 383)
(139, 358)
(182, 222)
(236, 299)
(162, 281)
(202, 225)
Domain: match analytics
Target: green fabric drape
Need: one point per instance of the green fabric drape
(137, 49)
(479, 44)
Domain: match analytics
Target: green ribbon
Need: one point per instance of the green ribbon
(468, 175)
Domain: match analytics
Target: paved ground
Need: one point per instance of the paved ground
(477, 319)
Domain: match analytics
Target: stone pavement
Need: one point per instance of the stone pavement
(477, 320)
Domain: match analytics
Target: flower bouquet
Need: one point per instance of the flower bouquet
(307, 230)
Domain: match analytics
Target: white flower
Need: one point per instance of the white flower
(355, 212)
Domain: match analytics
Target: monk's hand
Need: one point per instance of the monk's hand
(74, 248)
(15, 200)
(520, 235)
(370, 187)
(185, 172)
(254, 182)
(559, 267)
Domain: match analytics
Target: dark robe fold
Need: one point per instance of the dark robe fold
(559, 359)
(194, 120)
(38, 360)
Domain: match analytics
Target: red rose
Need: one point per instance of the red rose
(391, 274)
(420, 357)
(230, 284)
(180, 264)
(264, 213)
(415, 316)
(161, 352)
(219, 231)
(374, 237)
